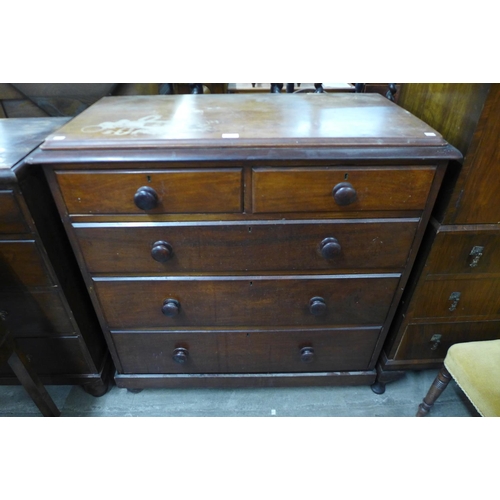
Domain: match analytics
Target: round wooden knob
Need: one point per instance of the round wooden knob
(161, 251)
(307, 354)
(317, 306)
(330, 247)
(180, 355)
(146, 198)
(344, 194)
(171, 307)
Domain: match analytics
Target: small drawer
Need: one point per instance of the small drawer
(465, 252)
(279, 190)
(160, 303)
(246, 351)
(21, 265)
(35, 313)
(11, 217)
(459, 298)
(125, 248)
(152, 192)
(432, 341)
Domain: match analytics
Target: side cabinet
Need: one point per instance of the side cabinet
(43, 299)
(453, 294)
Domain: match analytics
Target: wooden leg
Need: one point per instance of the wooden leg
(438, 386)
(34, 387)
(385, 377)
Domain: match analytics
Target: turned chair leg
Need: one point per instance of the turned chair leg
(438, 386)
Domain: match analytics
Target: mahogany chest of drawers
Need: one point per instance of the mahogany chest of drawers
(245, 239)
(43, 299)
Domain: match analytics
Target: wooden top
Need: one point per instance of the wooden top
(20, 136)
(242, 121)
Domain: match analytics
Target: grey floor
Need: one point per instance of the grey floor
(400, 399)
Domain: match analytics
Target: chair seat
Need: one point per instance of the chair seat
(475, 366)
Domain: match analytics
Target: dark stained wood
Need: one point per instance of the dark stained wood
(178, 191)
(478, 298)
(135, 304)
(417, 343)
(251, 246)
(10, 214)
(243, 121)
(246, 351)
(310, 190)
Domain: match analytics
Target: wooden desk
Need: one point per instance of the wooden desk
(245, 239)
(42, 296)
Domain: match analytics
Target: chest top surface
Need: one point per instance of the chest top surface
(245, 120)
(19, 136)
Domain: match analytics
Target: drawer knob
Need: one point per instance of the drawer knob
(161, 251)
(307, 354)
(330, 247)
(171, 308)
(344, 194)
(146, 198)
(180, 355)
(317, 306)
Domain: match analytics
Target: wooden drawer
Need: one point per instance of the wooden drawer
(35, 313)
(130, 303)
(465, 252)
(53, 356)
(178, 191)
(21, 265)
(277, 190)
(432, 341)
(478, 297)
(246, 351)
(11, 217)
(246, 246)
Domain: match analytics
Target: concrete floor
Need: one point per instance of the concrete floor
(401, 399)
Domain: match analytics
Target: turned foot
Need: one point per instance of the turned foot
(438, 386)
(378, 387)
(384, 377)
(97, 388)
(135, 391)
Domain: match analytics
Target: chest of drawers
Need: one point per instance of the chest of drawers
(43, 299)
(245, 239)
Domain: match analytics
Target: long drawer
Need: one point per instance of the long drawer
(277, 190)
(143, 303)
(208, 247)
(246, 351)
(172, 191)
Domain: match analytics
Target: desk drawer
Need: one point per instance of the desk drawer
(175, 191)
(21, 265)
(277, 190)
(130, 303)
(246, 351)
(250, 246)
(11, 217)
(459, 298)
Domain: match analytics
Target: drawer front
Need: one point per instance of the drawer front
(465, 252)
(459, 298)
(255, 246)
(186, 191)
(35, 313)
(432, 341)
(310, 190)
(246, 351)
(21, 265)
(11, 217)
(218, 301)
(53, 356)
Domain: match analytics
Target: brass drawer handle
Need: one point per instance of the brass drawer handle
(344, 194)
(476, 253)
(146, 198)
(455, 297)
